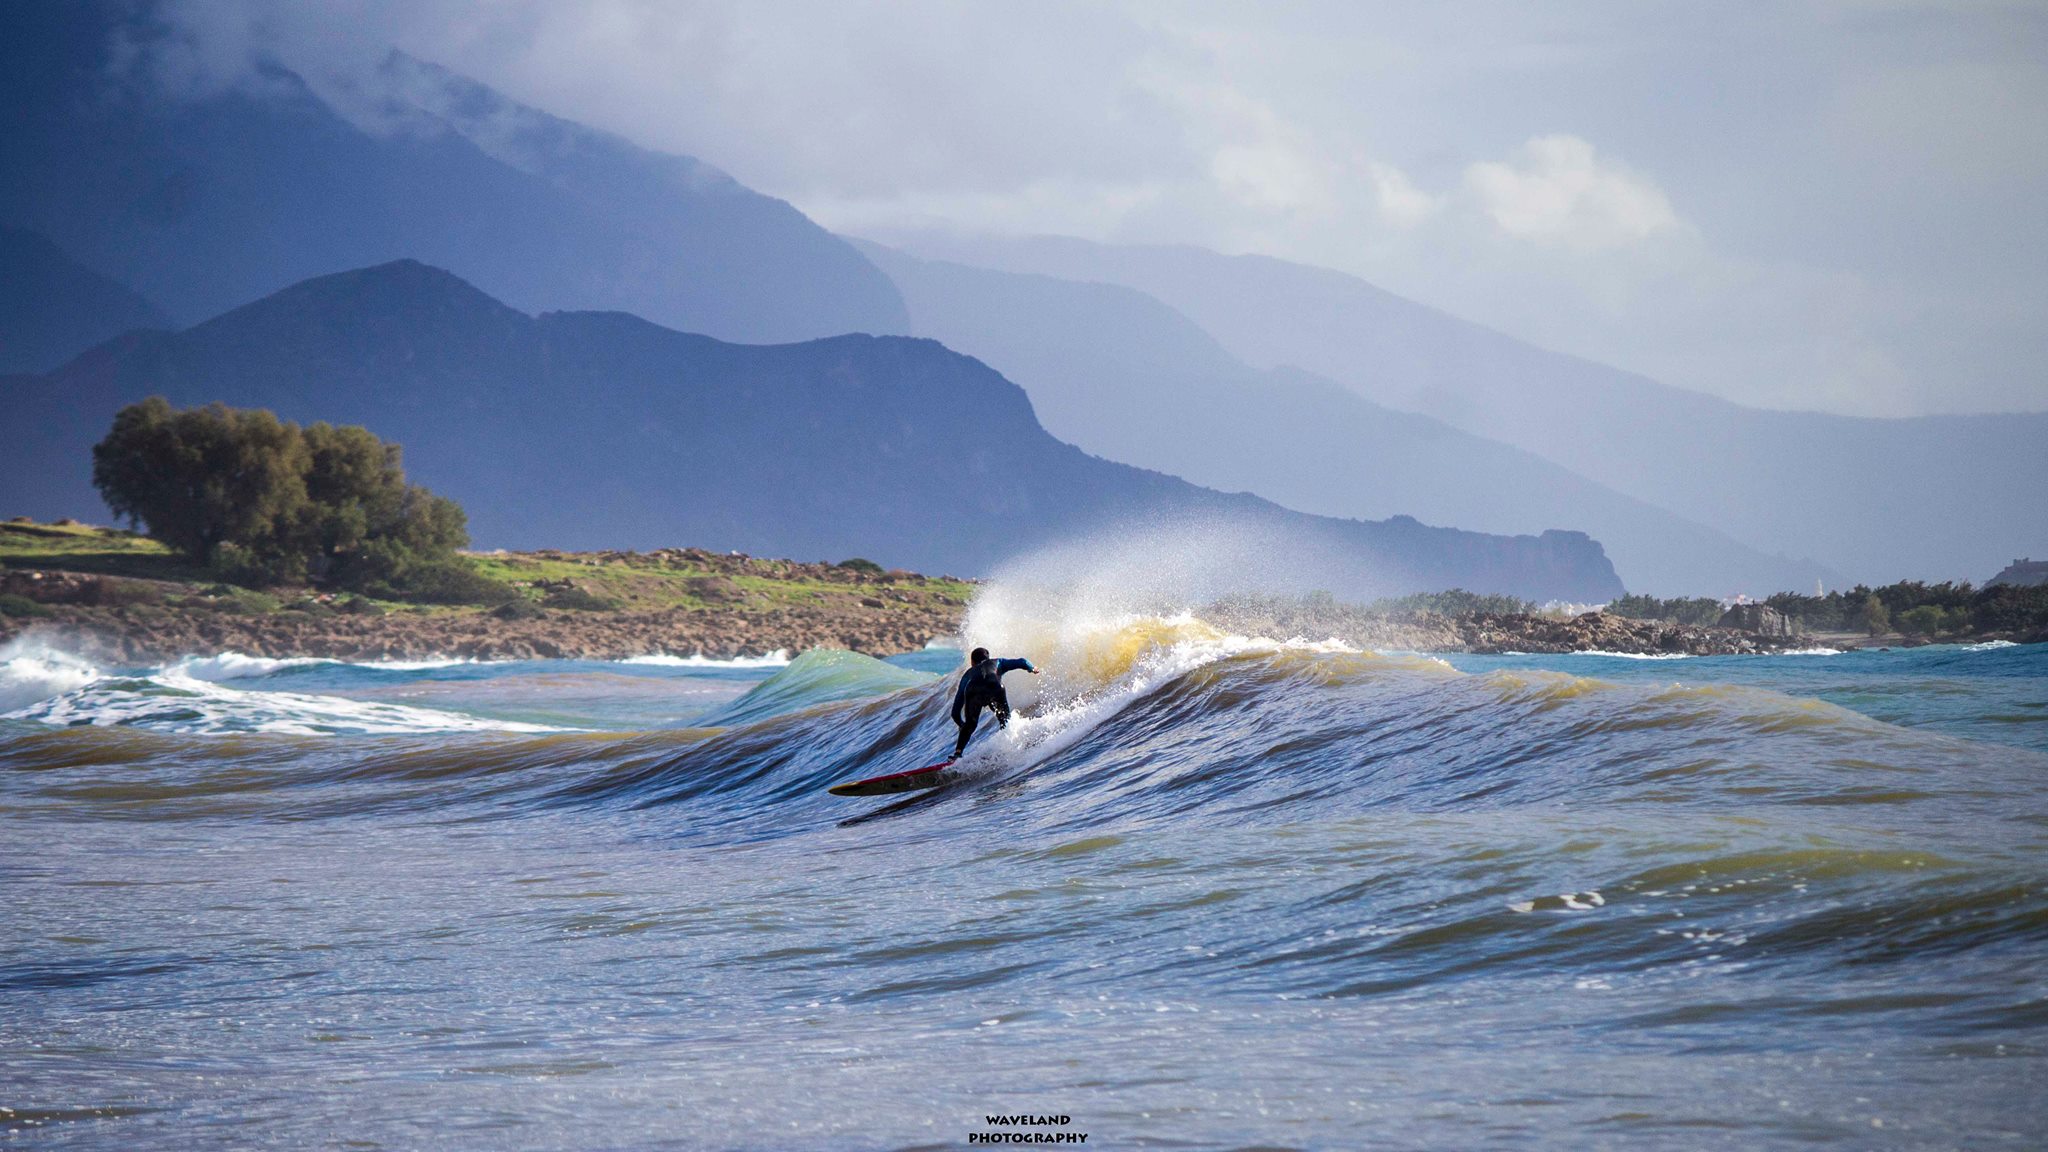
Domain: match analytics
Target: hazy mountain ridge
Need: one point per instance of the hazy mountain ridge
(52, 307)
(205, 202)
(1120, 373)
(595, 430)
(1936, 497)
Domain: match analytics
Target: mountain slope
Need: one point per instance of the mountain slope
(1933, 498)
(52, 307)
(1118, 373)
(598, 430)
(205, 202)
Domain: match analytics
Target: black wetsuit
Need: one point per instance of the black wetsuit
(982, 687)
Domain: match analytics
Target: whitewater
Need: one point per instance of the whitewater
(1208, 890)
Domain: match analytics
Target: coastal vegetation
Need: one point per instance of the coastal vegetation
(1919, 609)
(259, 501)
(1682, 610)
(1910, 607)
(128, 596)
(1456, 602)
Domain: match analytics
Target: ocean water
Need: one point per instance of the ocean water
(1207, 891)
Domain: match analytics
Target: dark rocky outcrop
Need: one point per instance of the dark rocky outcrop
(2022, 573)
(1599, 632)
(1761, 619)
(1498, 633)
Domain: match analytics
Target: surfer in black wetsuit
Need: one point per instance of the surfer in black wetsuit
(982, 687)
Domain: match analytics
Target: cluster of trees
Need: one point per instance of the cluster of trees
(1917, 608)
(260, 501)
(1455, 602)
(1910, 606)
(1683, 610)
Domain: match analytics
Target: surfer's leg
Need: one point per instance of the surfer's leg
(1001, 704)
(967, 728)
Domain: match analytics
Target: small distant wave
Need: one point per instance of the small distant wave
(1628, 655)
(32, 671)
(1677, 655)
(776, 659)
(237, 666)
(1990, 646)
(48, 685)
(820, 676)
(240, 666)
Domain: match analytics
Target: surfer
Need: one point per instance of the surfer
(982, 687)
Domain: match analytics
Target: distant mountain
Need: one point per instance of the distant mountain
(1118, 373)
(597, 430)
(52, 307)
(1935, 497)
(205, 202)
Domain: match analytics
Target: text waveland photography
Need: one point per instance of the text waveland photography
(1027, 1128)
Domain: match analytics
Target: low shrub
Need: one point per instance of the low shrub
(714, 590)
(579, 600)
(109, 592)
(247, 603)
(21, 606)
(1926, 620)
(448, 582)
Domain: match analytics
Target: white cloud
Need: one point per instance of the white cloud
(1557, 189)
(1400, 202)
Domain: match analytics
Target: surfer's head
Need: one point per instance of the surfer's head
(977, 656)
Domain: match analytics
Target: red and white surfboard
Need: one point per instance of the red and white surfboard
(930, 776)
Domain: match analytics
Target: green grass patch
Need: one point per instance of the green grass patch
(85, 548)
(606, 581)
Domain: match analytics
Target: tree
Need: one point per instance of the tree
(261, 501)
(364, 524)
(1926, 620)
(205, 479)
(1873, 616)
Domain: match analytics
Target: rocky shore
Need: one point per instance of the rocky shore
(121, 599)
(144, 635)
(1495, 633)
(161, 627)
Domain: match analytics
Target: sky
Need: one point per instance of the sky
(1839, 206)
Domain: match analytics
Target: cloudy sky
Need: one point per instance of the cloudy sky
(1834, 205)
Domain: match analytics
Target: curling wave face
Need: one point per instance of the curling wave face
(1379, 896)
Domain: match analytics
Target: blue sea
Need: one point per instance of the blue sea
(1206, 891)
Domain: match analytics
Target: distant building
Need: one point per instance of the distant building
(2023, 574)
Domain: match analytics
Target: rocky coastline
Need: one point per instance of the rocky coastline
(141, 633)
(124, 600)
(1490, 633)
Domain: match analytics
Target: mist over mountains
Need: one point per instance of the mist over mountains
(202, 201)
(1936, 497)
(1121, 374)
(597, 430)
